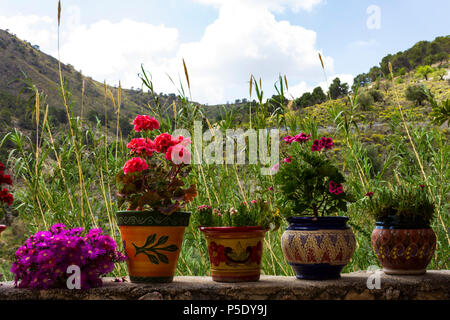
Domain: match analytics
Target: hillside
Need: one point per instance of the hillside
(19, 58)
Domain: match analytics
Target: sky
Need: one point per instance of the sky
(224, 42)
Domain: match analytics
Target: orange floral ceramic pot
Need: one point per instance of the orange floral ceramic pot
(152, 242)
(235, 252)
(403, 250)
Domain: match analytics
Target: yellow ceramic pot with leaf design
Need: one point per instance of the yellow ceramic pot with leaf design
(235, 252)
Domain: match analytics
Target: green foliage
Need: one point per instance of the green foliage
(439, 74)
(441, 111)
(338, 89)
(376, 95)
(310, 99)
(304, 183)
(416, 94)
(366, 100)
(402, 205)
(424, 71)
(256, 213)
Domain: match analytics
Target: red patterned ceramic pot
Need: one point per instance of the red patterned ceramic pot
(403, 251)
(2, 228)
(235, 252)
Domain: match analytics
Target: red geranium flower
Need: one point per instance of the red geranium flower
(216, 253)
(135, 165)
(6, 197)
(369, 194)
(142, 146)
(164, 141)
(145, 123)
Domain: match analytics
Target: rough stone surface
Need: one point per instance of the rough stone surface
(352, 286)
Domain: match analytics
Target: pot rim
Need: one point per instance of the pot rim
(318, 219)
(390, 225)
(150, 212)
(233, 229)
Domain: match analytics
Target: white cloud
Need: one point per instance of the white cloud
(364, 43)
(245, 39)
(272, 5)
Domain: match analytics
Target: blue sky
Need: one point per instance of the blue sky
(224, 41)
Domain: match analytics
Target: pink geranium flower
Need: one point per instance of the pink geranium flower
(335, 188)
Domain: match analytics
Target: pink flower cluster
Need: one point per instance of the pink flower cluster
(318, 145)
(335, 188)
(204, 207)
(301, 137)
(143, 123)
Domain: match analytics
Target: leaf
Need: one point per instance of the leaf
(162, 240)
(150, 240)
(163, 258)
(149, 198)
(171, 248)
(191, 193)
(152, 258)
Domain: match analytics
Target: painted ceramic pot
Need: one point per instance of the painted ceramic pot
(152, 242)
(2, 228)
(235, 252)
(318, 249)
(403, 250)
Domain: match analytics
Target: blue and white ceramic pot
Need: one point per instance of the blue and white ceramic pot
(318, 248)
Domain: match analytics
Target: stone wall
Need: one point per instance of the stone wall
(352, 286)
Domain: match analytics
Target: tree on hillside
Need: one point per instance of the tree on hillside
(439, 74)
(318, 96)
(337, 89)
(416, 94)
(423, 72)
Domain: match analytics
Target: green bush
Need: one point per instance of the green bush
(366, 100)
(416, 94)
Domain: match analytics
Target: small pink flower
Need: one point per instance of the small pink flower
(335, 188)
(254, 201)
(270, 188)
(369, 194)
(288, 139)
(302, 137)
(203, 207)
(135, 165)
(276, 167)
(422, 186)
(288, 159)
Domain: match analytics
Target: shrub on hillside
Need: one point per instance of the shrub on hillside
(376, 95)
(416, 94)
(366, 100)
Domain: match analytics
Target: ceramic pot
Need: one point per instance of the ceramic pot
(152, 242)
(318, 249)
(235, 252)
(2, 228)
(403, 249)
